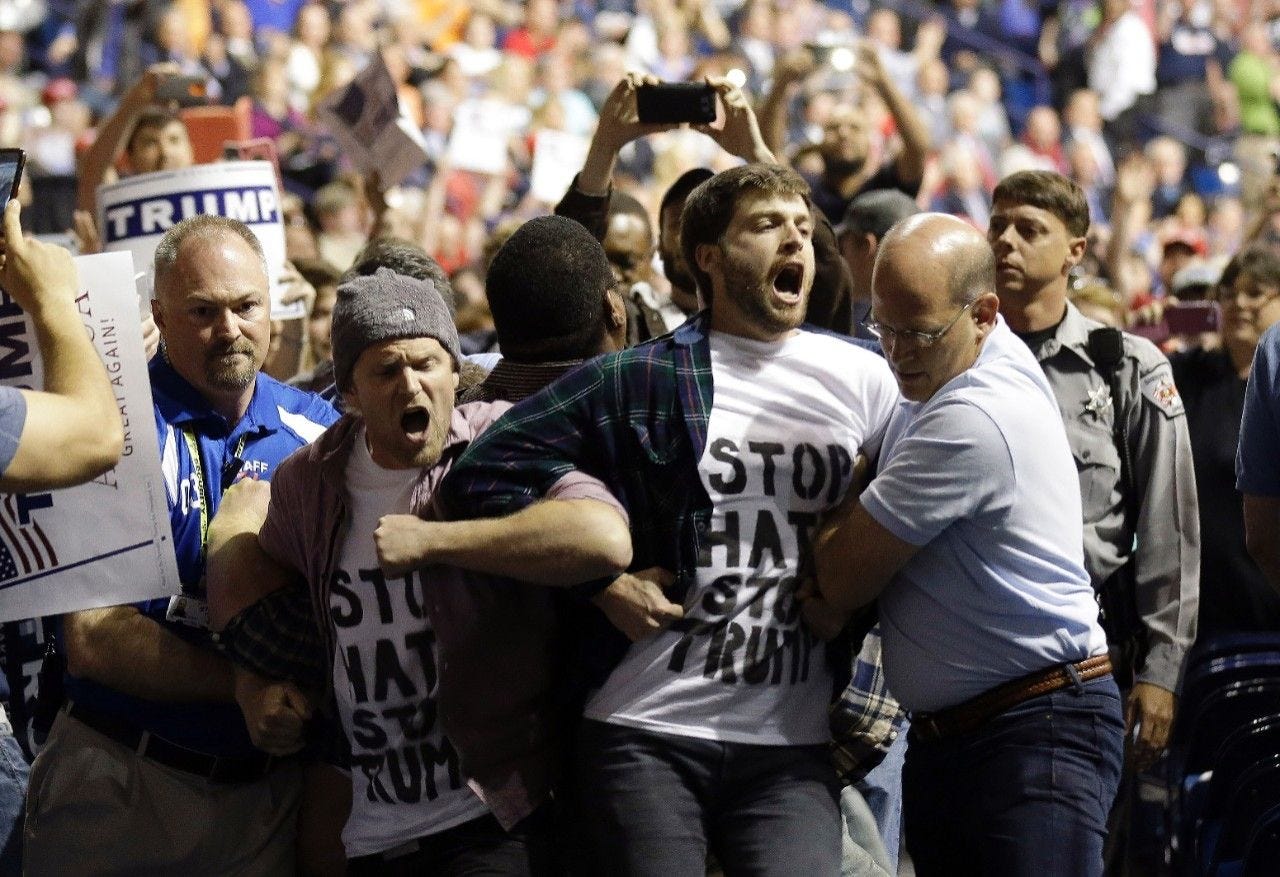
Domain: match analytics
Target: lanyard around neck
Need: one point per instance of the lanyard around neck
(194, 447)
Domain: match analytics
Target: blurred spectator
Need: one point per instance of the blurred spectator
(1178, 248)
(354, 35)
(993, 120)
(317, 357)
(849, 166)
(964, 191)
(1099, 302)
(1189, 68)
(536, 34)
(1255, 73)
(1235, 593)
(151, 138)
(1083, 118)
(932, 83)
(51, 148)
(1168, 159)
(755, 42)
(306, 54)
(1063, 43)
(477, 53)
(956, 49)
(1121, 65)
(340, 213)
(272, 115)
(1225, 226)
(555, 81)
(1043, 139)
(299, 236)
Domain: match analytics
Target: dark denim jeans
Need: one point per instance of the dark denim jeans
(653, 803)
(1028, 793)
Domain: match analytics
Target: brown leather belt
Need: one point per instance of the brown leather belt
(976, 712)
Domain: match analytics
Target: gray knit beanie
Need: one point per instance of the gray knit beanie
(383, 307)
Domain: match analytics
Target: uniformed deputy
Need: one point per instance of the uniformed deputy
(1128, 432)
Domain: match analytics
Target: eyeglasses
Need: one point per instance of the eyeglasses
(1256, 295)
(910, 336)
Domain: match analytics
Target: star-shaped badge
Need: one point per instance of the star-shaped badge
(1099, 401)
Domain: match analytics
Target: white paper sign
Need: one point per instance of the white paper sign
(365, 117)
(106, 542)
(134, 214)
(557, 158)
(481, 131)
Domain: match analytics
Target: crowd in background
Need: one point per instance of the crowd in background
(1167, 115)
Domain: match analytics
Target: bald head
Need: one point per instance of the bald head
(933, 299)
(922, 248)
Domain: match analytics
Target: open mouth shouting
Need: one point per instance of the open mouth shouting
(788, 282)
(415, 422)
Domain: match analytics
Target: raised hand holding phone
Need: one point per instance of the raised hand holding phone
(12, 161)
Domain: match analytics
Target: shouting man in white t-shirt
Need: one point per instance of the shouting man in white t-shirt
(725, 441)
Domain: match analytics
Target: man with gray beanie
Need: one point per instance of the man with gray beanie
(395, 797)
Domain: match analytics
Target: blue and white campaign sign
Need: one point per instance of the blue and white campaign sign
(106, 542)
(134, 214)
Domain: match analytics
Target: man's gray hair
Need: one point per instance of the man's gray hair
(201, 226)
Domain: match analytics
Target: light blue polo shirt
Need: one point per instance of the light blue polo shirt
(982, 477)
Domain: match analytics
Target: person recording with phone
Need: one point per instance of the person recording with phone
(625, 116)
(846, 149)
(143, 129)
(1235, 593)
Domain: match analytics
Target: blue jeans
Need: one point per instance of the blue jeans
(881, 788)
(1028, 793)
(14, 772)
(652, 804)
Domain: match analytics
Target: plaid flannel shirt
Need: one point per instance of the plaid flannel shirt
(637, 420)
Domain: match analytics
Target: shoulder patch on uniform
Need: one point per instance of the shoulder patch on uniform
(1160, 390)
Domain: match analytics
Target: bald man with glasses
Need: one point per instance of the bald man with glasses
(969, 537)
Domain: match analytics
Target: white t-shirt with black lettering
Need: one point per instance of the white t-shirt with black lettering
(787, 421)
(406, 780)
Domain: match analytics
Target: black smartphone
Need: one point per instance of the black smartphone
(669, 103)
(185, 91)
(838, 56)
(11, 164)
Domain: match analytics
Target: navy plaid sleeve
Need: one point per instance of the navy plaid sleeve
(865, 719)
(542, 438)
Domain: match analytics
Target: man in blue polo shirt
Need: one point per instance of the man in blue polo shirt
(150, 768)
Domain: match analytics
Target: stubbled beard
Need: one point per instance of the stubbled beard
(752, 295)
(235, 375)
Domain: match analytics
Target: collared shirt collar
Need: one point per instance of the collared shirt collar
(1072, 334)
(180, 404)
(695, 331)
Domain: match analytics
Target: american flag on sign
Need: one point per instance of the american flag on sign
(24, 548)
